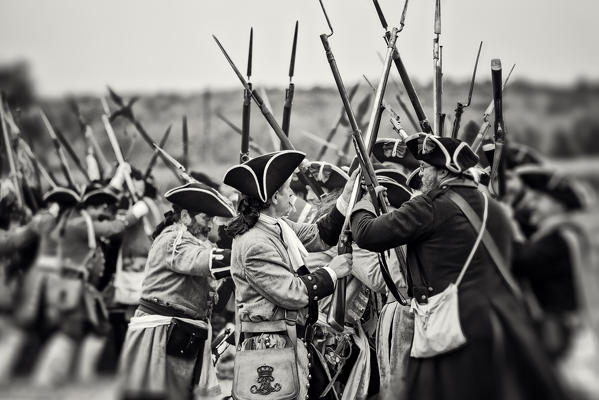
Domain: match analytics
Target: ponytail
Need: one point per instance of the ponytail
(248, 212)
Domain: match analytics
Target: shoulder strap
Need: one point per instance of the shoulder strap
(488, 242)
(479, 236)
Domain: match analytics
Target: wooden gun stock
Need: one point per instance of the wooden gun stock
(336, 316)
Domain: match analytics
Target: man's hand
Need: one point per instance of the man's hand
(341, 264)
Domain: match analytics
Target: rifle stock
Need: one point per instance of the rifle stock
(497, 179)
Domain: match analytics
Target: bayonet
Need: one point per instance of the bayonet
(289, 92)
(176, 166)
(482, 132)
(247, 103)
(155, 153)
(460, 107)
(304, 171)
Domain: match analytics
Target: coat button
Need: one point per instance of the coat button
(314, 287)
(423, 297)
(309, 278)
(315, 297)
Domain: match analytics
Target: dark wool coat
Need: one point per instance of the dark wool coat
(502, 358)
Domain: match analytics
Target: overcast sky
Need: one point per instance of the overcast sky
(152, 45)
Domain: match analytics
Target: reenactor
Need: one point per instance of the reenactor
(274, 288)
(167, 352)
(450, 251)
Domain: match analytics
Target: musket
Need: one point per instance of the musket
(27, 149)
(251, 144)
(93, 147)
(12, 163)
(178, 169)
(71, 152)
(403, 73)
(482, 132)
(363, 149)
(291, 88)
(497, 178)
(304, 171)
(126, 111)
(395, 118)
(460, 107)
(340, 121)
(185, 134)
(155, 153)
(400, 101)
(43, 171)
(61, 156)
(438, 73)
(247, 103)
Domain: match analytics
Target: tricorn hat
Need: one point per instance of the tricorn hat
(443, 152)
(64, 196)
(196, 197)
(328, 175)
(394, 174)
(397, 193)
(96, 193)
(262, 176)
(568, 191)
(394, 150)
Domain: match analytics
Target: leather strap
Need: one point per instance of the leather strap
(488, 242)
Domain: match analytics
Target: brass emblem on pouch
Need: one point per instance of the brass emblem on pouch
(265, 380)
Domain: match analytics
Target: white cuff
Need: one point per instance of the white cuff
(140, 209)
(332, 273)
(342, 205)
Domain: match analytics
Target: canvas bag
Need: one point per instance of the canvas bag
(437, 327)
(269, 374)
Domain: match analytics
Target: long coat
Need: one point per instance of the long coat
(502, 358)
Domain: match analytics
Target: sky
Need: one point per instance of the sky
(158, 45)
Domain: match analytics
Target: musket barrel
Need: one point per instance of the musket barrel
(14, 173)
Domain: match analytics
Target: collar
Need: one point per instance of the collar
(268, 220)
(457, 181)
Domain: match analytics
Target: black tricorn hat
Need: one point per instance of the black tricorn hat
(63, 196)
(328, 175)
(443, 152)
(396, 192)
(262, 176)
(96, 193)
(394, 150)
(568, 191)
(414, 180)
(196, 197)
(515, 154)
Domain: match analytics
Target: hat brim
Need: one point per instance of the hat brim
(198, 199)
(414, 180)
(63, 196)
(457, 161)
(337, 177)
(99, 196)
